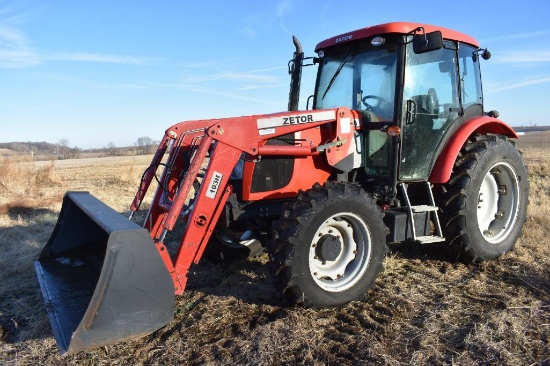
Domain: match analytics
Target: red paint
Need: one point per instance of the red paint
(398, 28)
(224, 141)
(443, 167)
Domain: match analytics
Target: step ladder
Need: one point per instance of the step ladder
(432, 210)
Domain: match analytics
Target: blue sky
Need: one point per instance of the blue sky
(99, 72)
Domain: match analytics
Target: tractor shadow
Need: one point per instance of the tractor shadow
(246, 280)
(429, 252)
(250, 281)
(22, 312)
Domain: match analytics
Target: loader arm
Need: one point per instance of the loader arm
(208, 151)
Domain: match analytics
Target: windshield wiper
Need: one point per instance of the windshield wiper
(340, 67)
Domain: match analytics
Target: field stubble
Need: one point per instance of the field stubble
(424, 308)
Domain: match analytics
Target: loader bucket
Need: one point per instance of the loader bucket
(102, 278)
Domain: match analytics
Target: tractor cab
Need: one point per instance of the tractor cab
(411, 83)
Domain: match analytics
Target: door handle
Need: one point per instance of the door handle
(410, 115)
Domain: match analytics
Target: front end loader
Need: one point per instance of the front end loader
(105, 279)
(397, 147)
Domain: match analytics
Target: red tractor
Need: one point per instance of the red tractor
(397, 146)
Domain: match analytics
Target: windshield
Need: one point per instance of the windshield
(358, 76)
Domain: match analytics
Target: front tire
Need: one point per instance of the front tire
(328, 246)
(485, 201)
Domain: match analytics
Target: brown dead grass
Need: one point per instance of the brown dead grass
(424, 309)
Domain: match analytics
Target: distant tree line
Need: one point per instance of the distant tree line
(143, 146)
(533, 128)
(62, 150)
(41, 150)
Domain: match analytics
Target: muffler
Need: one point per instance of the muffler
(102, 279)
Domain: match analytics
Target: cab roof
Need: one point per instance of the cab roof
(395, 27)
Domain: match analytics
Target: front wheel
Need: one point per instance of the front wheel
(485, 201)
(328, 246)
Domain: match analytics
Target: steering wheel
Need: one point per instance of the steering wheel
(370, 107)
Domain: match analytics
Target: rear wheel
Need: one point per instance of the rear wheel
(328, 246)
(485, 201)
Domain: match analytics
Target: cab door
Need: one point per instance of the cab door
(431, 105)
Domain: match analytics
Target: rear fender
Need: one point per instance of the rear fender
(441, 172)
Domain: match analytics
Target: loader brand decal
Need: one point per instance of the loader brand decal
(266, 131)
(271, 122)
(214, 185)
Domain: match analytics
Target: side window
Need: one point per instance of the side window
(430, 81)
(470, 76)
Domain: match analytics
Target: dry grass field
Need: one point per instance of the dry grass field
(425, 308)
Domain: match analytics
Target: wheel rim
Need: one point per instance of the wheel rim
(340, 252)
(498, 203)
(230, 241)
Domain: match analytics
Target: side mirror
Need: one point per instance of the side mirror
(427, 42)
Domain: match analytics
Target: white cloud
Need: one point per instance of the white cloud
(16, 52)
(325, 16)
(283, 7)
(229, 95)
(252, 26)
(59, 77)
(255, 23)
(248, 31)
(254, 87)
(522, 57)
(15, 49)
(495, 88)
(94, 57)
(256, 76)
(516, 36)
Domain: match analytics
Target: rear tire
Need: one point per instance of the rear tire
(328, 246)
(485, 201)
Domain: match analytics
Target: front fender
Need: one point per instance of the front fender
(441, 172)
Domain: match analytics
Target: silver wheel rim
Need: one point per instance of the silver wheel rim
(340, 252)
(498, 203)
(230, 241)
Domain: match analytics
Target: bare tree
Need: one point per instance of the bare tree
(111, 149)
(63, 148)
(145, 145)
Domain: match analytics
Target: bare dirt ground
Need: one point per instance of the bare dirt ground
(425, 308)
